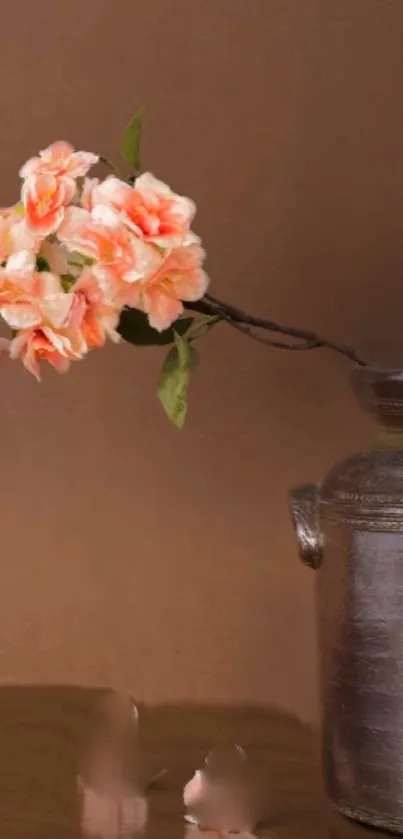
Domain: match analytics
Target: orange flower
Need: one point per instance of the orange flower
(29, 298)
(101, 236)
(47, 344)
(59, 160)
(150, 208)
(91, 314)
(45, 199)
(179, 277)
(15, 235)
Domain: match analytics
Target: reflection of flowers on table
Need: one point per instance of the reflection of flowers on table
(109, 786)
(109, 815)
(218, 797)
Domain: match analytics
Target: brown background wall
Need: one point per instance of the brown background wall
(162, 562)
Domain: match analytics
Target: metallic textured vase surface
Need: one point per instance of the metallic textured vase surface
(350, 529)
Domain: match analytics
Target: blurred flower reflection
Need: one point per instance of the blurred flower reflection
(193, 832)
(218, 797)
(113, 804)
(108, 816)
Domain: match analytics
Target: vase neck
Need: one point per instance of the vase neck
(380, 392)
(390, 435)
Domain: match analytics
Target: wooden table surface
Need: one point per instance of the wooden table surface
(42, 729)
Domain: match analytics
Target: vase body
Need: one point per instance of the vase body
(350, 529)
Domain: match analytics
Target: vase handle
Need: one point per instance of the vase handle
(304, 507)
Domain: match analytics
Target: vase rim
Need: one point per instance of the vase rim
(376, 370)
(380, 391)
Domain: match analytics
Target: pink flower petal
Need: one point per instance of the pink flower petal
(162, 310)
(58, 151)
(192, 288)
(88, 193)
(21, 264)
(30, 167)
(81, 162)
(21, 315)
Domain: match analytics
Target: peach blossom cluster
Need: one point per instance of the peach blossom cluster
(76, 250)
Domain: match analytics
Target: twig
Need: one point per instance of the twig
(247, 324)
(279, 345)
(108, 163)
(304, 338)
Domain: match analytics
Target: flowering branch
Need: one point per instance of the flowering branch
(247, 324)
(84, 261)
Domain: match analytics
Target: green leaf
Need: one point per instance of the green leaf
(131, 140)
(135, 328)
(42, 264)
(67, 281)
(201, 326)
(174, 380)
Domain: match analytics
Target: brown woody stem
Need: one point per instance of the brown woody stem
(303, 339)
